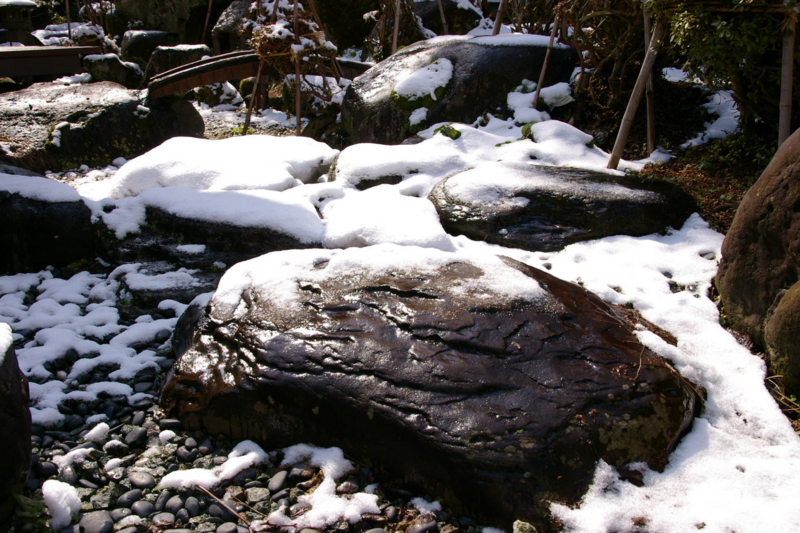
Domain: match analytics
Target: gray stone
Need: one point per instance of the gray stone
(128, 498)
(143, 508)
(119, 514)
(98, 122)
(174, 504)
(227, 527)
(109, 67)
(192, 506)
(142, 480)
(277, 482)
(164, 519)
(96, 522)
(139, 45)
(166, 58)
(257, 494)
(136, 437)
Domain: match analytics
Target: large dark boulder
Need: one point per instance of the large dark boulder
(544, 208)
(761, 257)
(460, 18)
(42, 222)
(485, 70)
(88, 124)
(487, 381)
(15, 417)
(139, 45)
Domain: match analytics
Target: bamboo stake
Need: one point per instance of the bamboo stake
(253, 97)
(787, 62)
(297, 106)
(650, 91)
(396, 26)
(444, 20)
(546, 62)
(636, 96)
(501, 13)
(208, 20)
(274, 18)
(69, 22)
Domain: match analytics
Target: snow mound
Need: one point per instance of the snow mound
(36, 188)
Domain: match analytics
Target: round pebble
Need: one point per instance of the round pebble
(227, 527)
(47, 469)
(128, 499)
(142, 480)
(162, 500)
(218, 510)
(391, 513)
(190, 443)
(182, 515)
(136, 437)
(377, 530)
(277, 481)
(163, 335)
(257, 494)
(174, 504)
(119, 514)
(143, 508)
(192, 506)
(163, 519)
(423, 527)
(68, 475)
(97, 522)
(185, 455)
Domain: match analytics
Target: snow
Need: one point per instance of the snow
(723, 105)
(244, 455)
(62, 502)
(6, 340)
(36, 188)
(191, 248)
(424, 81)
(424, 506)
(98, 433)
(237, 163)
(516, 39)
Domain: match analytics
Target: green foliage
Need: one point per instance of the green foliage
(738, 48)
(448, 131)
(741, 155)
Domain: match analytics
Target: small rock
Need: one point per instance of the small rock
(119, 514)
(97, 522)
(257, 494)
(376, 530)
(162, 500)
(423, 527)
(299, 508)
(116, 448)
(218, 510)
(138, 418)
(143, 508)
(164, 519)
(73, 422)
(182, 515)
(174, 504)
(348, 487)
(131, 529)
(163, 335)
(391, 513)
(169, 423)
(85, 483)
(185, 455)
(142, 480)
(277, 481)
(206, 447)
(68, 475)
(190, 443)
(142, 387)
(46, 469)
(227, 527)
(192, 506)
(136, 437)
(128, 498)
(281, 494)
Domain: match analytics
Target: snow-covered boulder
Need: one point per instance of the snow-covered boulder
(109, 67)
(15, 419)
(446, 79)
(758, 274)
(545, 208)
(479, 378)
(166, 58)
(50, 127)
(42, 222)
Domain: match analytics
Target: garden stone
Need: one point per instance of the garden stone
(166, 58)
(96, 123)
(760, 264)
(96, 522)
(483, 74)
(109, 67)
(15, 417)
(142, 480)
(163, 519)
(566, 378)
(143, 508)
(182, 515)
(162, 500)
(136, 437)
(192, 506)
(227, 527)
(139, 45)
(129, 498)
(119, 514)
(547, 208)
(174, 504)
(277, 482)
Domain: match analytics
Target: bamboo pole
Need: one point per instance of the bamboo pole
(546, 62)
(69, 22)
(396, 26)
(636, 96)
(650, 90)
(208, 20)
(501, 13)
(274, 18)
(298, 88)
(787, 64)
(444, 19)
(253, 97)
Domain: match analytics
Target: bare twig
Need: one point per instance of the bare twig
(224, 504)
